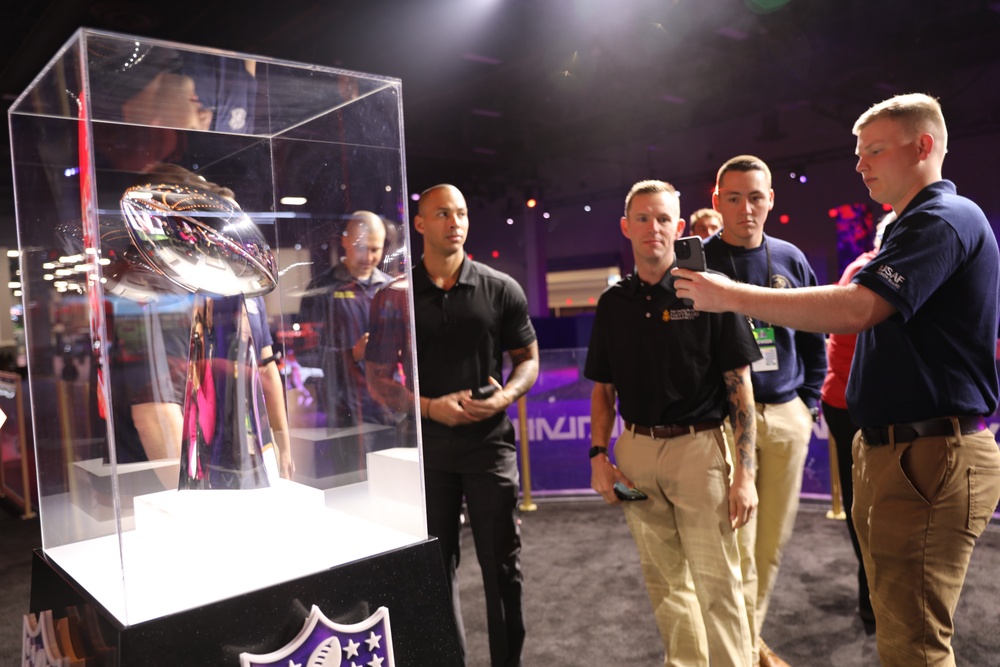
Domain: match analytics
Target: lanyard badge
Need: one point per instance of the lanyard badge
(764, 336)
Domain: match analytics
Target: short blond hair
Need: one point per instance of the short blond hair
(648, 188)
(703, 213)
(916, 112)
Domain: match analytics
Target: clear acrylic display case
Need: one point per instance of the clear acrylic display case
(121, 301)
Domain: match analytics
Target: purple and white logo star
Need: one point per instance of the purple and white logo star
(323, 643)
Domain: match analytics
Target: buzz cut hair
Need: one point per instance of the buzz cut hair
(362, 220)
(743, 163)
(648, 188)
(916, 112)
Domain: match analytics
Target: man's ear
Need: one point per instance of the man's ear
(418, 223)
(715, 200)
(680, 228)
(925, 144)
(624, 225)
(770, 199)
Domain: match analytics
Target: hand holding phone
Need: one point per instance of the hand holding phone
(485, 391)
(689, 253)
(626, 494)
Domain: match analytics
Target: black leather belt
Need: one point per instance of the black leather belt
(672, 430)
(930, 428)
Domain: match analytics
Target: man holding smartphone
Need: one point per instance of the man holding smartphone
(675, 373)
(926, 467)
(786, 381)
(466, 316)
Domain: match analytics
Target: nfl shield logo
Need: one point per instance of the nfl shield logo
(323, 643)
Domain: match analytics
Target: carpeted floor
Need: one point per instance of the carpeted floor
(585, 600)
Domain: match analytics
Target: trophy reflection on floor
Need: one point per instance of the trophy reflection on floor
(195, 235)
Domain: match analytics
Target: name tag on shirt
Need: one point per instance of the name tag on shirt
(765, 342)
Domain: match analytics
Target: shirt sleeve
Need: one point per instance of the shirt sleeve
(516, 328)
(597, 367)
(915, 260)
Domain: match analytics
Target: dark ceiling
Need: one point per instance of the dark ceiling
(495, 92)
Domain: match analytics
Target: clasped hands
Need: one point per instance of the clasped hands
(458, 407)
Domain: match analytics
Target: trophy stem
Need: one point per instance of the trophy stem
(225, 421)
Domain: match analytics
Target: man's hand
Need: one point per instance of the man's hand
(603, 475)
(742, 499)
(358, 351)
(479, 409)
(282, 442)
(710, 292)
(447, 409)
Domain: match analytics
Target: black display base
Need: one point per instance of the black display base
(409, 582)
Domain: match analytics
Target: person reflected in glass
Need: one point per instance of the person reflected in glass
(338, 303)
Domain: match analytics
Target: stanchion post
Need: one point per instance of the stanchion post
(837, 509)
(522, 421)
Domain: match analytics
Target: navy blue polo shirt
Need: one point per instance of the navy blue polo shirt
(339, 305)
(940, 268)
(801, 354)
(462, 334)
(665, 358)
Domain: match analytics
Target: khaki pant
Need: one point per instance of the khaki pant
(688, 551)
(783, 434)
(919, 508)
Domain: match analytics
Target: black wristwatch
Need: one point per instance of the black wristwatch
(594, 451)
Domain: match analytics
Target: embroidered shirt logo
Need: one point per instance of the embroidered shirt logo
(679, 314)
(780, 282)
(891, 276)
(238, 118)
(344, 294)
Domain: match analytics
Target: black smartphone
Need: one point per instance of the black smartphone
(626, 494)
(485, 391)
(690, 253)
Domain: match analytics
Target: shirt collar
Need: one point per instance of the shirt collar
(421, 279)
(666, 282)
(942, 187)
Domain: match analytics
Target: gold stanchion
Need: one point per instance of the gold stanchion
(522, 421)
(837, 509)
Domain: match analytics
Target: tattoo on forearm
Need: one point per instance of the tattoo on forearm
(743, 418)
(525, 370)
(519, 356)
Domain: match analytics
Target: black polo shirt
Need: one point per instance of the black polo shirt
(462, 334)
(664, 358)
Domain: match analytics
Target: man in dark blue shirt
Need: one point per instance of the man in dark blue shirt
(786, 381)
(926, 468)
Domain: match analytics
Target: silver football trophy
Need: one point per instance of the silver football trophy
(199, 239)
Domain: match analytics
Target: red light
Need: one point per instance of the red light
(783, 219)
(886, 207)
(469, 255)
(832, 213)
(495, 253)
(569, 302)
(532, 203)
(591, 300)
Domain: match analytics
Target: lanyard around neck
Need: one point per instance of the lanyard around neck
(770, 273)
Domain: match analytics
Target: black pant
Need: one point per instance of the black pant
(842, 430)
(491, 498)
